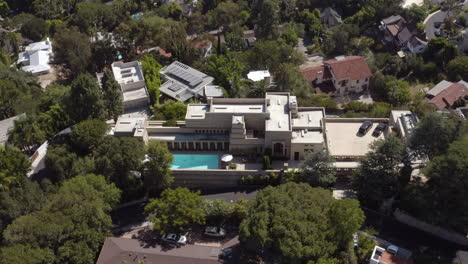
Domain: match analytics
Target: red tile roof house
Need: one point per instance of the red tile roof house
(132, 251)
(339, 76)
(447, 97)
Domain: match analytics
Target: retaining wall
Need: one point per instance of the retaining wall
(207, 179)
(429, 228)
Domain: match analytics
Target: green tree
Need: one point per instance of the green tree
(218, 210)
(151, 69)
(86, 99)
(175, 210)
(225, 69)
(88, 134)
(458, 68)
(4, 9)
(338, 39)
(74, 223)
(14, 165)
(441, 51)
(171, 10)
(288, 78)
(103, 54)
(345, 209)
(297, 220)
(35, 29)
(317, 169)
(266, 18)
(157, 175)
(54, 120)
(118, 159)
(26, 133)
(112, 96)
(72, 49)
(377, 177)
(172, 110)
(26, 254)
(226, 14)
(434, 133)
(399, 93)
(258, 89)
(62, 164)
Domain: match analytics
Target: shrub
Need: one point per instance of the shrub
(250, 179)
(232, 166)
(266, 163)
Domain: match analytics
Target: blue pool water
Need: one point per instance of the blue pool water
(195, 161)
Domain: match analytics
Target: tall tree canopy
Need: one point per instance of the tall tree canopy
(300, 222)
(434, 133)
(175, 210)
(14, 165)
(72, 49)
(377, 178)
(318, 169)
(70, 228)
(86, 99)
(112, 96)
(157, 175)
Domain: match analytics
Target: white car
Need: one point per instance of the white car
(175, 239)
(215, 231)
(355, 240)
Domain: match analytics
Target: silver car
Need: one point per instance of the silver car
(215, 231)
(174, 239)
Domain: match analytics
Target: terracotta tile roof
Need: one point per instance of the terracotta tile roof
(310, 74)
(393, 259)
(118, 250)
(448, 96)
(351, 67)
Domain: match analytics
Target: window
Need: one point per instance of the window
(357, 81)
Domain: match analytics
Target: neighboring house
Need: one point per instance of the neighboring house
(203, 46)
(249, 38)
(274, 124)
(256, 76)
(6, 126)
(130, 77)
(404, 122)
(132, 251)
(128, 126)
(330, 17)
(340, 76)
(36, 57)
(183, 82)
(381, 256)
(401, 34)
(445, 94)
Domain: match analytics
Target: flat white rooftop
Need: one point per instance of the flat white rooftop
(258, 75)
(126, 73)
(343, 138)
(196, 111)
(279, 113)
(237, 108)
(309, 137)
(135, 94)
(309, 118)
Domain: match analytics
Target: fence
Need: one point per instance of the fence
(432, 229)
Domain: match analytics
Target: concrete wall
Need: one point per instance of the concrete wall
(302, 147)
(432, 229)
(254, 121)
(210, 179)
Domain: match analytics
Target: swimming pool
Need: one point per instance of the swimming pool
(195, 161)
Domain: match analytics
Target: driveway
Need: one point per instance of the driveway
(437, 16)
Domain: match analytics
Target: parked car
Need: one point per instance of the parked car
(438, 32)
(379, 129)
(437, 24)
(215, 231)
(365, 127)
(174, 239)
(392, 249)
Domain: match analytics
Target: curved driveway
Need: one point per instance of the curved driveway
(437, 16)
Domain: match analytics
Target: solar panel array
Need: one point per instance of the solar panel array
(175, 87)
(191, 79)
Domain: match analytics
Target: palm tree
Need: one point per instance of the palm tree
(258, 89)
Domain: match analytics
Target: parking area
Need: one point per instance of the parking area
(343, 138)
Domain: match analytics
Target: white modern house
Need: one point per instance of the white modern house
(130, 77)
(404, 121)
(257, 76)
(36, 57)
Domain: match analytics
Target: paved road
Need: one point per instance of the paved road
(437, 16)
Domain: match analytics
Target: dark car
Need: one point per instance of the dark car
(379, 129)
(437, 24)
(365, 127)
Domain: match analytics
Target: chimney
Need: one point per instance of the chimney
(319, 77)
